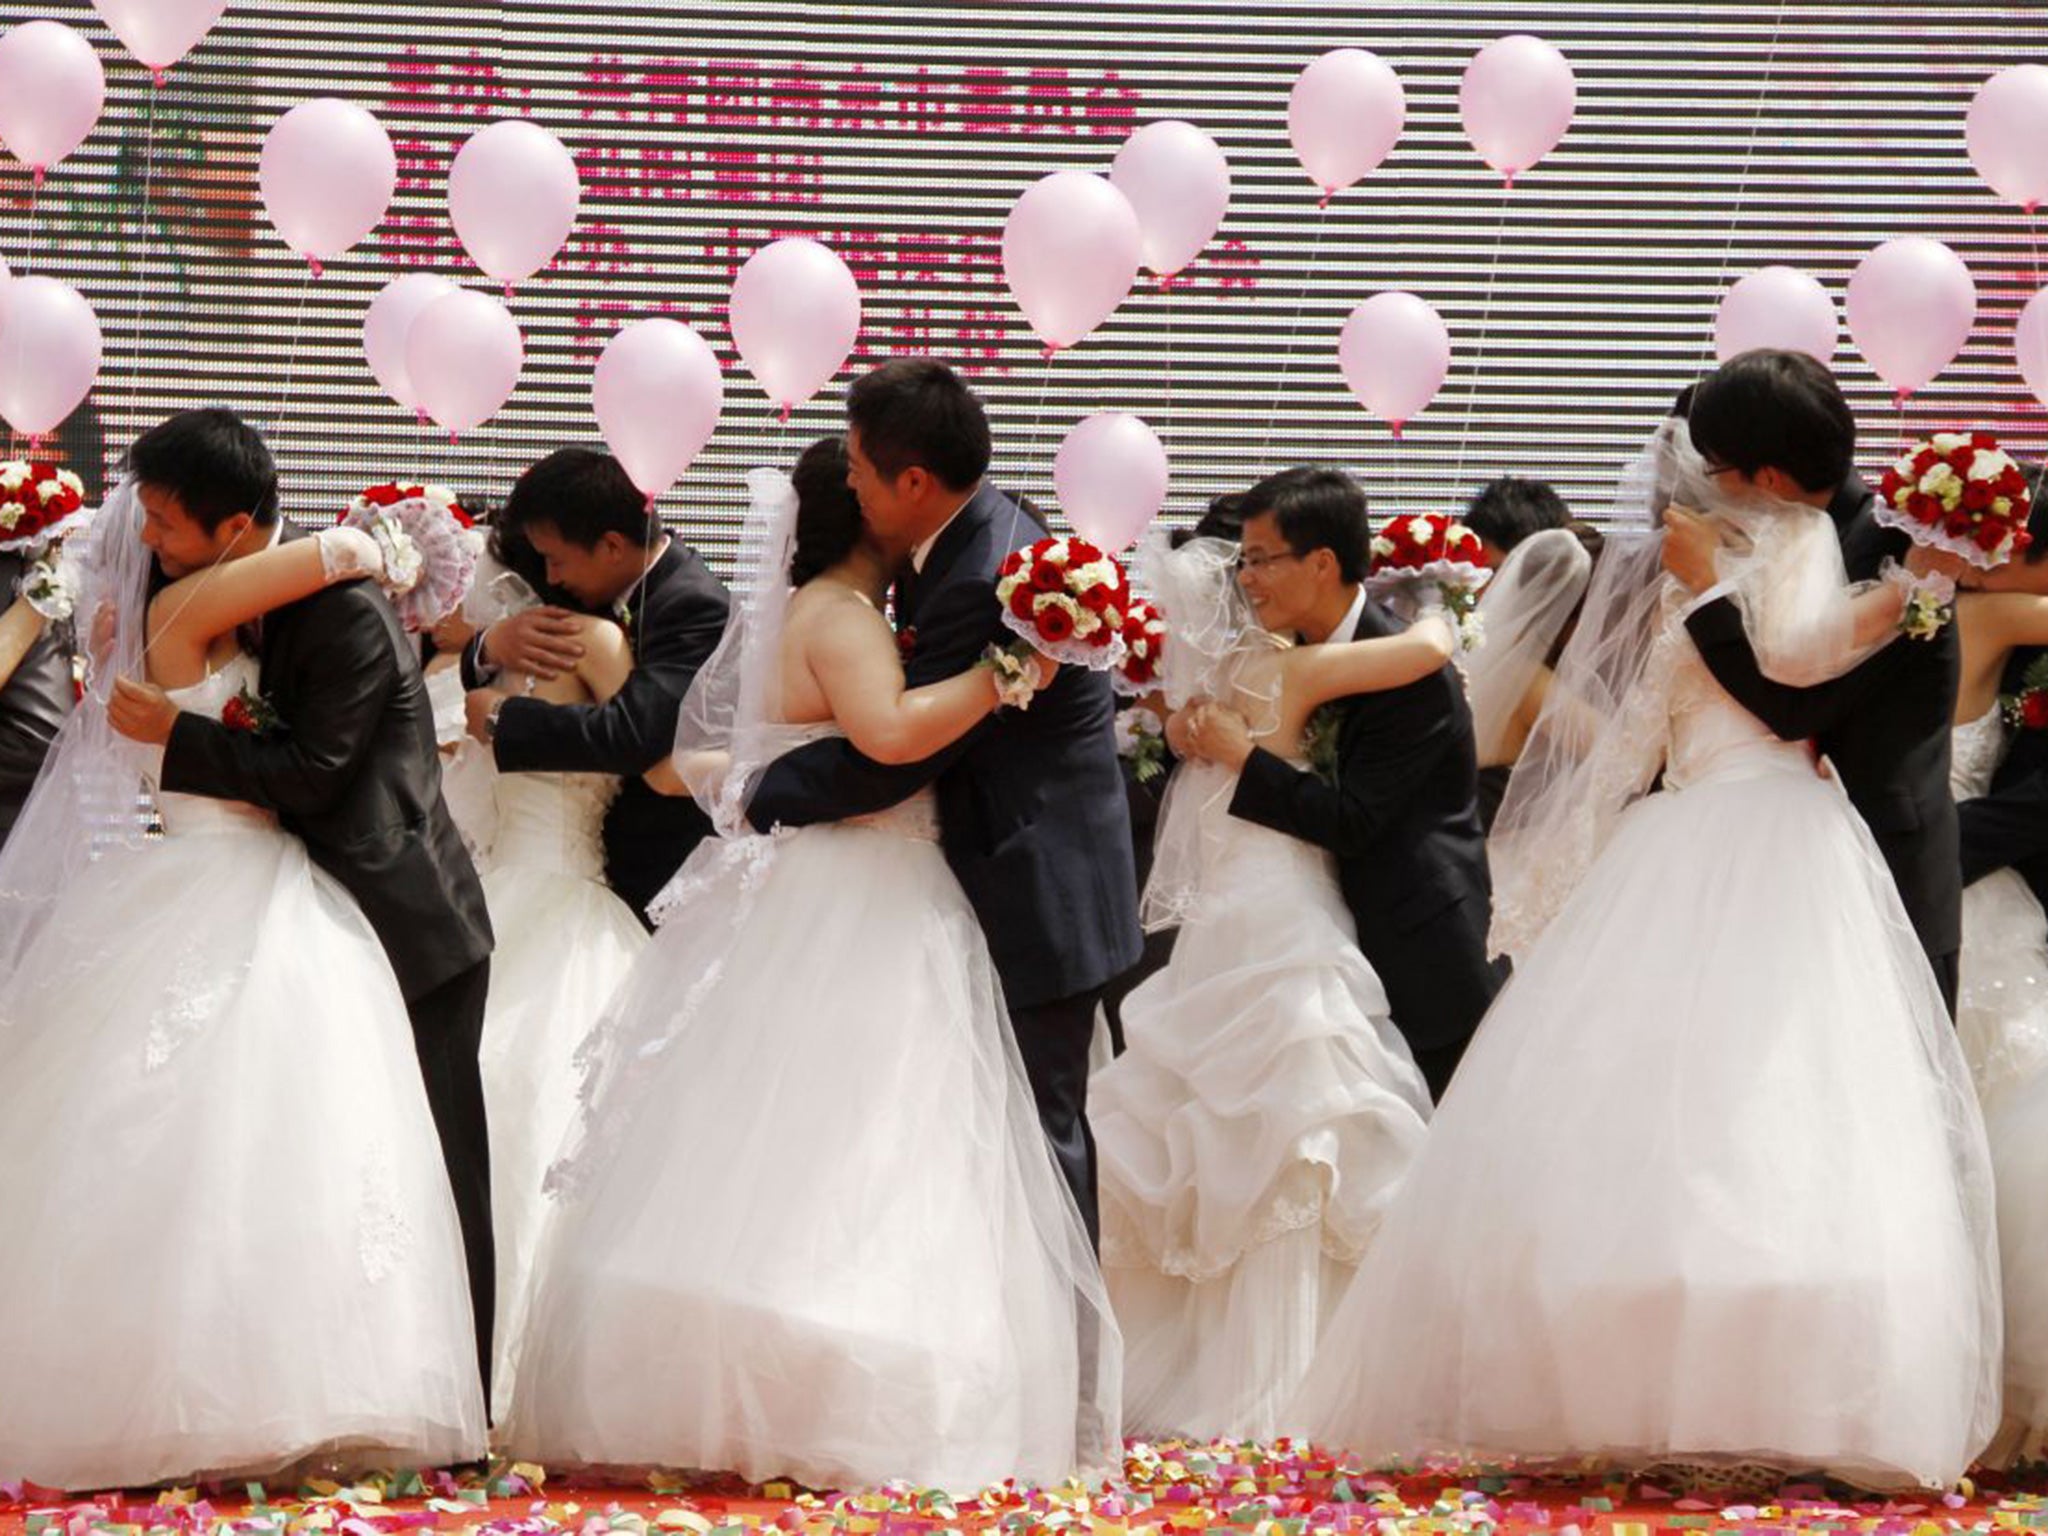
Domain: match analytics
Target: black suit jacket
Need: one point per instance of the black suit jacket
(33, 704)
(1031, 802)
(1884, 725)
(354, 773)
(678, 613)
(2009, 826)
(1403, 821)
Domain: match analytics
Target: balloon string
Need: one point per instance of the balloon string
(1756, 121)
(1166, 419)
(291, 362)
(1500, 229)
(132, 389)
(1294, 332)
(1033, 464)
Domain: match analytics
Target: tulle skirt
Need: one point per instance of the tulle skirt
(2002, 1020)
(565, 944)
(1710, 1183)
(1249, 1138)
(811, 1227)
(230, 1242)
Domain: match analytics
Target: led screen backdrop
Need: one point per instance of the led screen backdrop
(1711, 138)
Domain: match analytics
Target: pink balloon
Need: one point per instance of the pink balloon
(1516, 101)
(2007, 133)
(657, 394)
(51, 92)
(512, 194)
(1777, 307)
(1071, 248)
(160, 32)
(1178, 184)
(1344, 114)
(463, 354)
(388, 322)
(1395, 351)
(327, 175)
(1911, 305)
(49, 353)
(1110, 474)
(795, 314)
(2030, 345)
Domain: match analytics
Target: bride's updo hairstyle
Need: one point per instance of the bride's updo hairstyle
(828, 523)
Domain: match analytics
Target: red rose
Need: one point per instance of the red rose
(1055, 624)
(1047, 577)
(236, 716)
(460, 516)
(1923, 461)
(1890, 486)
(1138, 671)
(2034, 709)
(1023, 603)
(1097, 597)
(1100, 636)
(1990, 535)
(1962, 460)
(1977, 496)
(1082, 552)
(383, 496)
(2020, 542)
(1983, 440)
(2011, 481)
(1012, 565)
(1960, 525)
(1923, 506)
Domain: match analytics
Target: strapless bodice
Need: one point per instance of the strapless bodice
(1977, 750)
(916, 818)
(1715, 740)
(196, 815)
(553, 822)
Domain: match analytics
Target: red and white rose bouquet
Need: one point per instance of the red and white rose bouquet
(428, 559)
(1959, 492)
(38, 503)
(1414, 553)
(1067, 600)
(1144, 645)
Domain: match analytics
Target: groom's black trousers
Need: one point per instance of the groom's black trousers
(1053, 1039)
(447, 1032)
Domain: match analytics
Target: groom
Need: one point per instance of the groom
(1031, 802)
(351, 770)
(1400, 810)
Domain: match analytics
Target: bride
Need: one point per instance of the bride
(810, 1226)
(231, 1242)
(1711, 1187)
(1264, 1107)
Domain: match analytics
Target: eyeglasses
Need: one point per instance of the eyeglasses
(1257, 563)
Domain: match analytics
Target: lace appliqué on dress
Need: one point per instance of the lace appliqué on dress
(383, 1235)
(198, 994)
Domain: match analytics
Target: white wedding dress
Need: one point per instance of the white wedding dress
(1710, 1184)
(565, 944)
(2002, 1020)
(1250, 1136)
(230, 1243)
(810, 1226)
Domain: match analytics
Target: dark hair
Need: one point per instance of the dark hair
(1506, 511)
(1317, 508)
(215, 463)
(1593, 541)
(1223, 520)
(913, 411)
(827, 513)
(508, 545)
(1681, 403)
(1776, 410)
(583, 495)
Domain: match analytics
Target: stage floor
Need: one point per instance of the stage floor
(1176, 1490)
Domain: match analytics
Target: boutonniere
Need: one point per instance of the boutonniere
(1141, 742)
(906, 641)
(2028, 709)
(251, 712)
(1319, 743)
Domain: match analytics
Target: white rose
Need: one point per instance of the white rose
(49, 490)
(1007, 588)
(1989, 465)
(1939, 479)
(1085, 624)
(1112, 617)
(1949, 442)
(13, 474)
(1419, 534)
(71, 482)
(1382, 547)
(11, 513)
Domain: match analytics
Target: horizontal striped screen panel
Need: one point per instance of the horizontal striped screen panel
(1710, 139)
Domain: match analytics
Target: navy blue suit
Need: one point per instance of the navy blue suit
(1032, 817)
(2009, 826)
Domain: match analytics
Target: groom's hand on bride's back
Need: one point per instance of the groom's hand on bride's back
(141, 711)
(543, 642)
